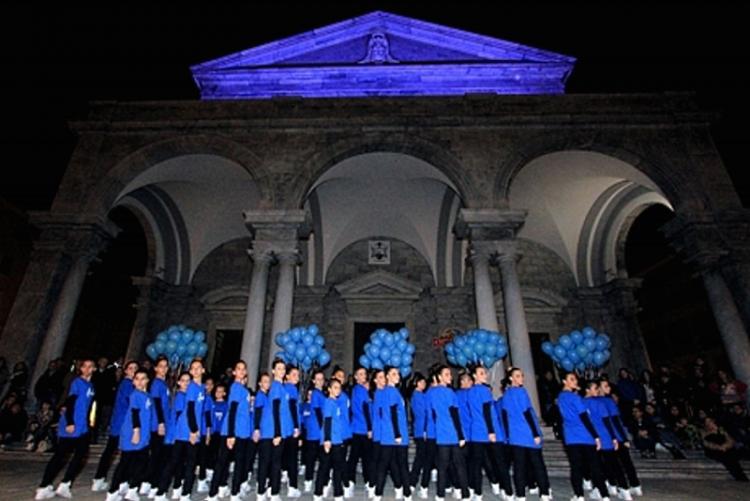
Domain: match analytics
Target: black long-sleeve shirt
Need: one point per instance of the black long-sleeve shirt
(456, 418)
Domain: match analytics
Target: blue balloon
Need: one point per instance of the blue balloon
(163, 337)
(459, 341)
(300, 352)
(385, 353)
(601, 343)
(404, 332)
(590, 344)
(161, 346)
(374, 351)
(480, 348)
(192, 348)
(376, 364)
(488, 361)
(295, 333)
(548, 347)
(187, 335)
(323, 358)
(290, 346)
(449, 348)
(319, 340)
(364, 361)
(199, 336)
(313, 351)
(174, 360)
(560, 351)
(313, 329)
(588, 332)
(576, 336)
(152, 352)
(308, 339)
(173, 328)
(468, 350)
(599, 359)
(401, 345)
(581, 366)
(451, 359)
(406, 359)
(565, 341)
(389, 340)
(181, 349)
(202, 349)
(567, 364)
(280, 339)
(607, 354)
(307, 362)
(574, 357)
(589, 358)
(581, 350)
(395, 360)
(405, 371)
(171, 347)
(461, 359)
(410, 349)
(175, 336)
(376, 341)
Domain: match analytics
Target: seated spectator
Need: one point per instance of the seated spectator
(631, 393)
(40, 433)
(688, 434)
(719, 446)
(644, 434)
(737, 423)
(664, 435)
(13, 421)
(729, 390)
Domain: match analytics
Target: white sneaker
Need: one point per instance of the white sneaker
(370, 491)
(595, 494)
(338, 498)
(202, 486)
(507, 497)
(476, 497)
(423, 494)
(235, 497)
(209, 474)
(99, 485)
(262, 496)
(407, 498)
(63, 490)
(44, 493)
(520, 499)
(399, 492)
(456, 493)
(587, 485)
(612, 489)
(245, 488)
(212, 498)
(152, 493)
(276, 497)
(284, 476)
(577, 498)
(308, 486)
(636, 491)
(185, 498)
(496, 489)
(317, 498)
(624, 494)
(534, 491)
(378, 498)
(328, 490)
(113, 496)
(132, 495)
(160, 498)
(293, 492)
(546, 497)
(438, 498)
(349, 490)
(145, 488)
(433, 475)
(123, 489)
(223, 491)
(176, 494)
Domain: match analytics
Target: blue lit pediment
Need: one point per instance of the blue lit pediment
(382, 54)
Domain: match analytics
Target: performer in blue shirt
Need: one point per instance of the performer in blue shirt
(449, 434)
(261, 408)
(135, 435)
(378, 402)
(290, 454)
(524, 436)
(394, 439)
(159, 393)
(122, 401)
(219, 410)
(205, 442)
(623, 452)
(73, 434)
(313, 425)
(420, 466)
(580, 437)
(332, 457)
(235, 435)
(275, 425)
(430, 441)
(361, 429)
(486, 438)
(171, 472)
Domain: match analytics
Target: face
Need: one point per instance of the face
(209, 384)
(183, 382)
(592, 390)
(196, 370)
(604, 388)
(466, 381)
(87, 368)
(335, 388)
(710, 424)
(393, 376)
(130, 369)
(140, 381)
(446, 376)
(421, 385)
(319, 380)
(265, 382)
(239, 372)
(516, 378)
(279, 371)
(102, 363)
(571, 382)
(637, 413)
(293, 376)
(361, 376)
(340, 376)
(161, 369)
(221, 393)
(380, 380)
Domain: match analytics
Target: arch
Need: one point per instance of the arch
(317, 164)
(110, 186)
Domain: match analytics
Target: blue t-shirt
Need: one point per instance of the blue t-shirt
(195, 396)
(310, 423)
(208, 407)
(515, 403)
(159, 390)
(598, 412)
(429, 414)
(345, 404)
(478, 396)
(360, 397)
(84, 392)
(378, 403)
(277, 393)
(219, 414)
(317, 401)
(502, 433)
(614, 413)
(141, 403)
(392, 397)
(239, 394)
(293, 392)
(122, 402)
(462, 397)
(175, 413)
(260, 407)
(333, 409)
(571, 407)
(442, 399)
(419, 414)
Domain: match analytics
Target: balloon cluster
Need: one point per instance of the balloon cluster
(302, 347)
(391, 349)
(179, 344)
(476, 346)
(579, 350)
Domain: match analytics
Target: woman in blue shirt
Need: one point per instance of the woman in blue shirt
(394, 439)
(73, 434)
(205, 441)
(420, 466)
(159, 393)
(580, 437)
(313, 424)
(261, 407)
(290, 460)
(449, 434)
(378, 385)
(219, 410)
(135, 434)
(333, 455)
(623, 452)
(524, 437)
(361, 429)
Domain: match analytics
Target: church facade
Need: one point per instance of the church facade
(385, 170)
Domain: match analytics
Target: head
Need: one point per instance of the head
(515, 377)
(604, 388)
(102, 363)
(723, 376)
(360, 376)
(239, 371)
(379, 379)
(674, 411)
(220, 392)
(197, 370)
(334, 388)
(46, 406)
(339, 374)
(637, 413)
(393, 376)
(318, 379)
(570, 381)
(649, 409)
(419, 382)
(278, 368)
(129, 369)
(709, 424)
(183, 381)
(480, 374)
(208, 383)
(592, 388)
(86, 368)
(292, 375)
(161, 367)
(464, 380)
(140, 379)
(444, 375)
(264, 382)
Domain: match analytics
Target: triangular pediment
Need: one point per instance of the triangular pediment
(379, 284)
(383, 54)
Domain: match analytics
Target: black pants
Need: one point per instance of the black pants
(375, 452)
(479, 459)
(224, 457)
(334, 460)
(105, 461)
(361, 449)
(156, 459)
(731, 461)
(525, 459)
(181, 465)
(393, 458)
(626, 462)
(500, 458)
(420, 466)
(79, 447)
(447, 456)
(212, 452)
(202, 456)
(269, 466)
(132, 469)
(310, 454)
(583, 458)
(612, 470)
(290, 459)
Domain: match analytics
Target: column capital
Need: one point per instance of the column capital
(488, 223)
(278, 224)
(508, 251)
(78, 235)
(483, 251)
(261, 252)
(287, 255)
(698, 239)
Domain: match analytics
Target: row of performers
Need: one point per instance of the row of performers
(466, 435)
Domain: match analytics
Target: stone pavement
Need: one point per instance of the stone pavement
(20, 474)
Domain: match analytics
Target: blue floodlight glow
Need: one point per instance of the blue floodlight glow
(382, 54)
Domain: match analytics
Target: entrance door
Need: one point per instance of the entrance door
(542, 362)
(226, 350)
(362, 331)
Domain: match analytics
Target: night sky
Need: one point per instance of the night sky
(57, 57)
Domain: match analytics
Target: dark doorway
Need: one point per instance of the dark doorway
(542, 362)
(226, 350)
(362, 331)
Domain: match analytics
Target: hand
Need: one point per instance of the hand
(327, 446)
(398, 440)
(70, 429)
(296, 433)
(598, 443)
(194, 438)
(369, 434)
(616, 444)
(256, 435)
(461, 443)
(230, 443)
(626, 444)
(493, 438)
(136, 438)
(208, 438)
(276, 441)
(161, 430)
(537, 440)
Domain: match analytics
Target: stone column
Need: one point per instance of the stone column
(140, 326)
(252, 336)
(515, 318)
(282, 307)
